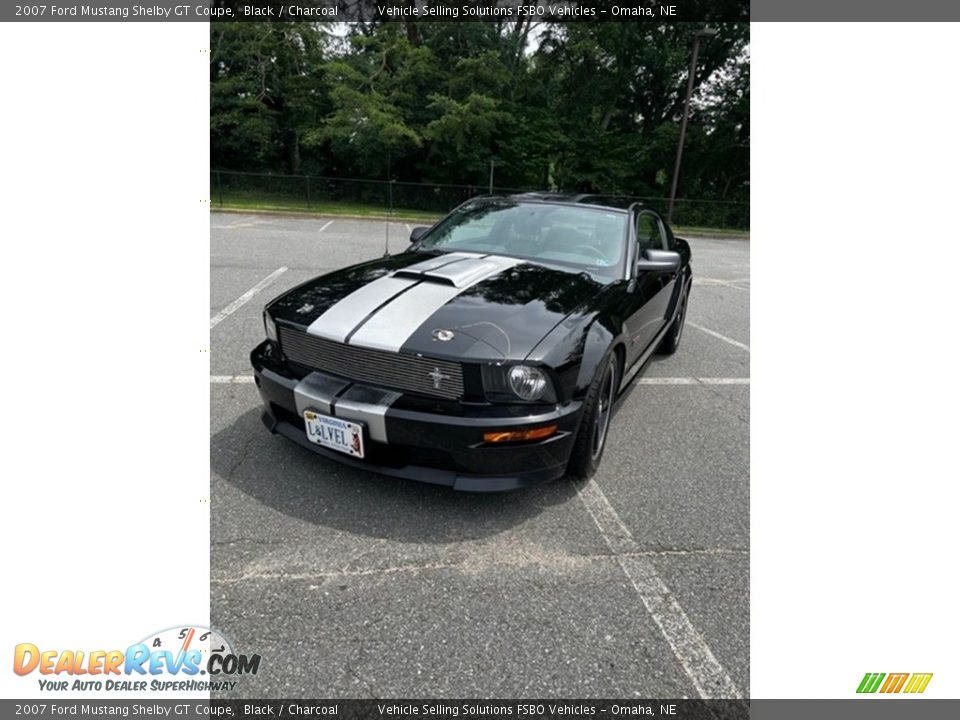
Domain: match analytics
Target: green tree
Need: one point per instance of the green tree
(266, 89)
(591, 107)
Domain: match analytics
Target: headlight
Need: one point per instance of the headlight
(510, 383)
(527, 382)
(269, 326)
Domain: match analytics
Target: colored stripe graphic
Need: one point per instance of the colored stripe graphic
(870, 682)
(918, 682)
(894, 682)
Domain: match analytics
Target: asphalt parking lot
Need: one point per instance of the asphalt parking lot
(354, 585)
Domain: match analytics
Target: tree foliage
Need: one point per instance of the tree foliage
(573, 106)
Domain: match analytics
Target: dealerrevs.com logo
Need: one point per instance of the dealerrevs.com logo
(182, 659)
(894, 683)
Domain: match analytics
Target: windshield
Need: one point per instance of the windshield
(590, 239)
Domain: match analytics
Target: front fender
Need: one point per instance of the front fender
(574, 349)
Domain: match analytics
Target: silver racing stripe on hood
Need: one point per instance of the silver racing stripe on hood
(391, 326)
(341, 318)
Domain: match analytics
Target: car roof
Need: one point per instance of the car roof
(612, 202)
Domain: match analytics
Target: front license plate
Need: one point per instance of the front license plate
(334, 433)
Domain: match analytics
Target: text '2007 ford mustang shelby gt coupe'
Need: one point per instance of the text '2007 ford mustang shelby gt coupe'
(488, 356)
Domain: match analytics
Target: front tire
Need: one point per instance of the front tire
(595, 425)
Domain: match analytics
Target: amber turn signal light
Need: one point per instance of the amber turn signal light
(517, 435)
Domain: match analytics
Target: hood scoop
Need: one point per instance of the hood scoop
(458, 272)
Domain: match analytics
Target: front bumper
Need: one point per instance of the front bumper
(414, 438)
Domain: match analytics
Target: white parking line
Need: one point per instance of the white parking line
(714, 333)
(698, 661)
(692, 381)
(409, 229)
(245, 298)
(251, 223)
(325, 226)
(714, 282)
(230, 379)
(278, 571)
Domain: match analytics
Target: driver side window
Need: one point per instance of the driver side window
(650, 234)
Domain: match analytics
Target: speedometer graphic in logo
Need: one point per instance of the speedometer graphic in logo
(210, 647)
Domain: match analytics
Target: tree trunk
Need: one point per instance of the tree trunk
(607, 117)
(413, 34)
(293, 152)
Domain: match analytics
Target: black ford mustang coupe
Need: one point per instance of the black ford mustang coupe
(488, 356)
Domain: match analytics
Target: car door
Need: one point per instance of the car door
(653, 286)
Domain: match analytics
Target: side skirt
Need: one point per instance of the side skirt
(642, 360)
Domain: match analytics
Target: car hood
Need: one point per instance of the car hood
(459, 306)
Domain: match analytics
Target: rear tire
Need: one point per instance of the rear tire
(671, 341)
(595, 425)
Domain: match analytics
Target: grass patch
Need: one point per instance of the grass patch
(319, 207)
(681, 230)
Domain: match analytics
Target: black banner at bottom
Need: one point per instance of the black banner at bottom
(408, 709)
(488, 709)
(852, 709)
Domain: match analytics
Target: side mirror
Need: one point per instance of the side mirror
(658, 261)
(417, 233)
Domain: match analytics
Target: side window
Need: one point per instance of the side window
(650, 233)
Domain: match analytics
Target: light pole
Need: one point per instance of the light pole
(705, 33)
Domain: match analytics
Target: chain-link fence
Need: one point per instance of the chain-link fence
(356, 196)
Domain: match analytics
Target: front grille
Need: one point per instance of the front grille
(377, 367)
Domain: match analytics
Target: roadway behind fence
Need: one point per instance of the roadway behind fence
(356, 196)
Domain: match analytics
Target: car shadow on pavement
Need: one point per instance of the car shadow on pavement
(289, 479)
